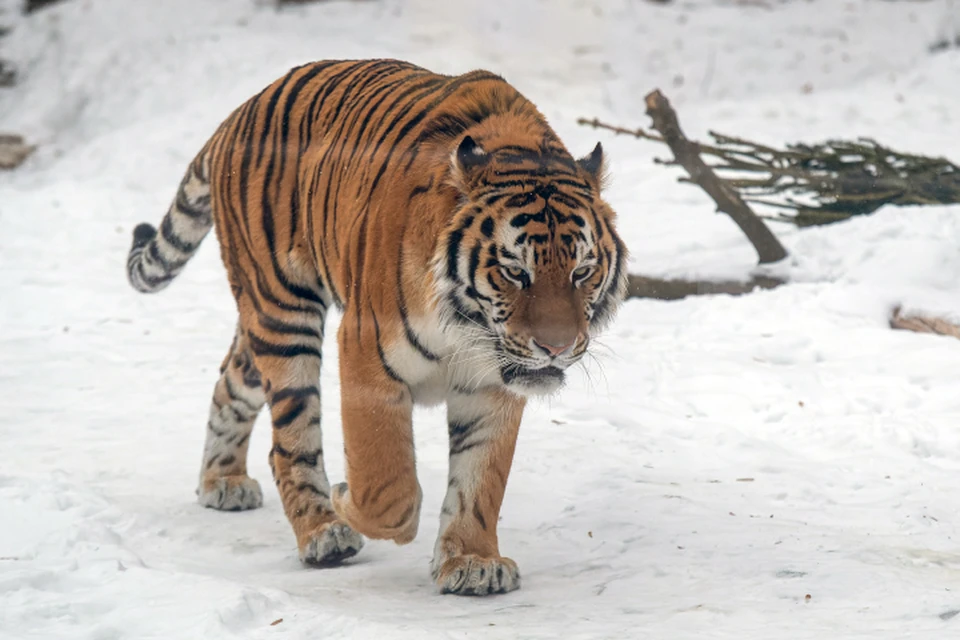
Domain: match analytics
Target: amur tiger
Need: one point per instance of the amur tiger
(472, 259)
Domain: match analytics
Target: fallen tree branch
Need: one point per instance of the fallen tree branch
(687, 154)
(660, 289)
(923, 324)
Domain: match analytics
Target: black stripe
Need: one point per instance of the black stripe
(299, 393)
(415, 342)
(184, 206)
(263, 348)
(309, 458)
(266, 203)
(271, 107)
(492, 283)
(393, 375)
(479, 516)
(357, 282)
(516, 149)
(460, 431)
(170, 235)
(462, 314)
(605, 304)
(453, 246)
(401, 298)
(280, 451)
(467, 446)
(287, 418)
(494, 198)
(524, 219)
(279, 326)
(521, 199)
(453, 253)
(486, 227)
(474, 264)
(232, 392)
(421, 189)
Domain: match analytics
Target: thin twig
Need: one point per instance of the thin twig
(636, 133)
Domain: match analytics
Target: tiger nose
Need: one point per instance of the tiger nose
(556, 349)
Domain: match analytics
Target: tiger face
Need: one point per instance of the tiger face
(533, 266)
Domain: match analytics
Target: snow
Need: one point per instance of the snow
(721, 460)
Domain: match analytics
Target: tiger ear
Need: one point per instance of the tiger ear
(468, 160)
(594, 165)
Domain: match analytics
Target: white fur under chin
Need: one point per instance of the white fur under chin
(537, 389)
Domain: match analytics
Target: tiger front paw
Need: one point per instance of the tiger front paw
(473, 575)
(330, 544)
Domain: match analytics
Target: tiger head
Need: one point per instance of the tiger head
(530, 267)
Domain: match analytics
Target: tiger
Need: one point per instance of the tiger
(472, 259)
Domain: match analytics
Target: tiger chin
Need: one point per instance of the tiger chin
(472, 259)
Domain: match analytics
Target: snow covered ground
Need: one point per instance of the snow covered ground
(780, 465)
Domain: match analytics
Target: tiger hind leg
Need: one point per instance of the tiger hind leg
(237, 399)
(289, 363)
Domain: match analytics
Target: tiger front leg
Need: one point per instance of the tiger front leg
(381, 498)
(483, 430)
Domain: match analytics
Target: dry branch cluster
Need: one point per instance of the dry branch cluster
(812, 184)
(842, 178)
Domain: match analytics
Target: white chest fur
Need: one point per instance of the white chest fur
(435, 360)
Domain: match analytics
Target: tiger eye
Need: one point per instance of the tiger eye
(514, 272)
(582, 273)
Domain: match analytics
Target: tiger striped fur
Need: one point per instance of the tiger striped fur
(472, 259)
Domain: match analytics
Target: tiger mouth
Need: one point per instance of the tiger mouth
(544, 376)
